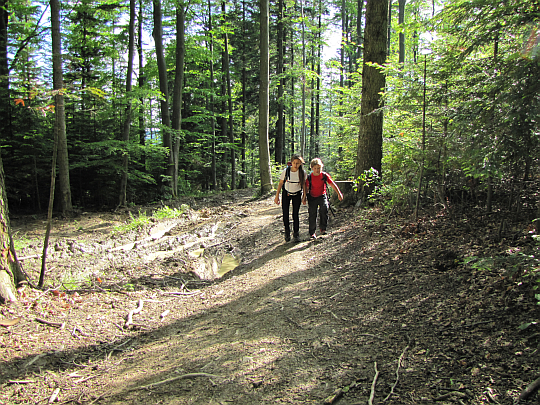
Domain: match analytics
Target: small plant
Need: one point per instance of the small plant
(134, 224)
(369, 181)
(21, 243)
(168, 212)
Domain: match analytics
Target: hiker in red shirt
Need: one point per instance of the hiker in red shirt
(317, 196)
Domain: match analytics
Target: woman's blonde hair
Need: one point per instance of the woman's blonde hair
(315, 162)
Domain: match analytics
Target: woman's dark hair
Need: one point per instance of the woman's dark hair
(301, 174)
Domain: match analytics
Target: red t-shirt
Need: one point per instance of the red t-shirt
(318, 185)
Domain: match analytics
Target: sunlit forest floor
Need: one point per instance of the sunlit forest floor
(381, 310)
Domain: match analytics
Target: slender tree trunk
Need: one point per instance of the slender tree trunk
(293, 84)
(4, 70)
(164, 88)
(127, 118)
(280, 130)
(142, 129)
(369, 153)
(388, 43)
(212, 114)
(359, 34)
(264, 111)
(243, 182)
(303, 134)
(177, 94)
(318, 90)
(401, 21)
(64, 187)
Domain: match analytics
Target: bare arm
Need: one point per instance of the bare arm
(336, 189)
(280, 185)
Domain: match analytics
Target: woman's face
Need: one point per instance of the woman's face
(296, 163)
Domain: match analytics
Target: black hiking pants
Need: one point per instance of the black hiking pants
(321, 204)
(285, 204)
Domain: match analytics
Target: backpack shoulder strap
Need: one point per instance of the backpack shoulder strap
(288, 173)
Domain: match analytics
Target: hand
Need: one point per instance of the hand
(276, 200)
(304, 200)
(340, 197)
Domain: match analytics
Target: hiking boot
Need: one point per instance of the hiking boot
(296, 238)
(323, 231)
(313, 236)
(287, 237)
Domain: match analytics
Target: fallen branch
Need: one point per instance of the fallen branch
(180, 377)
(60, 325)
(54, 395)
(334, 397)
(129, 318)
(9, 322)
(181, 292)
(397, 373)
(529, 390)
(20, 381)
(164, 314)
(372, 395)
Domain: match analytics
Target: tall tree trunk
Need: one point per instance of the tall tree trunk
(64, 187)
(4, 70)
(177, 93)
(401, 21)
(142, 129)
(389, 26)
(264, 111)
(211, 107)
(303, 134)
(164, 88)
(359, 34)
(293, 84)
(127, 118)
(243, 182)
(373, 82)
(229, 107)
(318, 90)
(280, 127)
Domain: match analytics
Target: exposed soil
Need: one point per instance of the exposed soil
(380, 310)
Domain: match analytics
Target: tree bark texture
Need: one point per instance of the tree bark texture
(163, 87)
(127, 119)
(373, 82)
(264, 110)
(64, 188)
(177, 93)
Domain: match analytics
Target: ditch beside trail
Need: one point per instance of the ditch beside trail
(380, 310)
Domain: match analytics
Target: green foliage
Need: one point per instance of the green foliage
(516, 264)
(169, 213)
(133, 224)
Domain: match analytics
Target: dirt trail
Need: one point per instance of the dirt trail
(303, 323)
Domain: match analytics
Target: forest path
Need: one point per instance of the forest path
(302, 323)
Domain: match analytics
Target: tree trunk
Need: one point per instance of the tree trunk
(64, 187)
(264, 111)
(177, 94)
(10, 273)
(280, 130)
(243, 182)
(401, 21)
(127, 119)
(164, 88)
(211, 107)
(359, 35)
(303, 134)
(373, 82)
(230, 108)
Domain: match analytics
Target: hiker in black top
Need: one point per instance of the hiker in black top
(293, 183)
